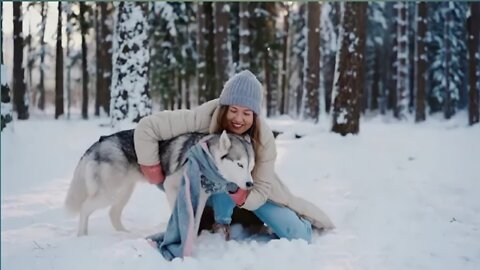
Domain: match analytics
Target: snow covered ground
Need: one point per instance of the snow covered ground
(402, 196)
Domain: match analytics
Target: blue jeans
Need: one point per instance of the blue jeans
(283, 221)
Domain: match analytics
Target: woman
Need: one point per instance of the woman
(237, 111)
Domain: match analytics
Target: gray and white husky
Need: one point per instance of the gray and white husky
(108, 171)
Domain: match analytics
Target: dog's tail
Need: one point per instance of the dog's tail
(77, 193)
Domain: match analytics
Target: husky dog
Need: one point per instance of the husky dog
(108, 171)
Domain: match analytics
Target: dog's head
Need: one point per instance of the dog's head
(234, 157)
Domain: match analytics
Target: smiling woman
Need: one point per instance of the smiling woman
(238, 110)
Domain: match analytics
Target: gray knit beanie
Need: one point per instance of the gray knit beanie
(243, 89)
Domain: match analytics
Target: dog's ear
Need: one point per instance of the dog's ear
(225, 142)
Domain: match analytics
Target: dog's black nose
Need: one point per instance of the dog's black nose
(249, 184)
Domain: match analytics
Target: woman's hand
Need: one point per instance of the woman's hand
(153, 173)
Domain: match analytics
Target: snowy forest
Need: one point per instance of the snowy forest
(374, 108)
(344, 59)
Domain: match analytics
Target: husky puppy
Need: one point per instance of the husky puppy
(108, 171)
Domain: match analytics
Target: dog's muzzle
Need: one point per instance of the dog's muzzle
(232, 187)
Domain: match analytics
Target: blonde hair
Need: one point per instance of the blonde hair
(253, 131)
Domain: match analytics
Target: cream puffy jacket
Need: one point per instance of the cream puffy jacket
(168, 124)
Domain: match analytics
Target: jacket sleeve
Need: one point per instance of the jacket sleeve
(166, 125)
(263, 174)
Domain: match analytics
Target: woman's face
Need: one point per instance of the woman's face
(239, 119)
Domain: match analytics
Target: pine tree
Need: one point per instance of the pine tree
(185, 52)
(223, 51)
(31, 56)
(201, 64)
(43, 53)
(283, 105)
(5, 105)
(234, 35)
(330, 20)
(312, 71)
(212, 87)
(447, 48)
(473, 25)
(130, 96)
(205, 54)
(297, 58)
(98, 64)
(402, 78)
(349, 71)
(59, 66)
(71, 58)
(244, 32)
(412, 36)
(103, 32)
(375, 53)
(270, 54)
(105, 59)
(20, 99)
(163, 61)
(262, 36)
(173, 53)
(420, 61)
(84, 31)
(391, 59)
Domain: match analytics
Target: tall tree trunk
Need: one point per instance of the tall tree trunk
(98, 65)
(329, 57)
(449, 103)
(188, 104)
(301, 61)
(130, 87)
(268, 79)
(6, 105)
(106, 14)
(402, 60)
(312, 76)
(421, 61)
(201, 49)
(188, 75)
(211, 84)
(84, 29)
(31, 58)
(179, 87)
(393, 67)
(19, 97)
(270, 57)
(347, 88)
(412, 34)
(68, 10)
(283, 108)
(473, 25)
(104, 57)
(244, 36)
(59, 67)
(222, 50)
(41, 86)
(376, 79)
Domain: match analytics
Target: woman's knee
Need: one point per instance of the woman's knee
(298, 229)
(284, 222)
